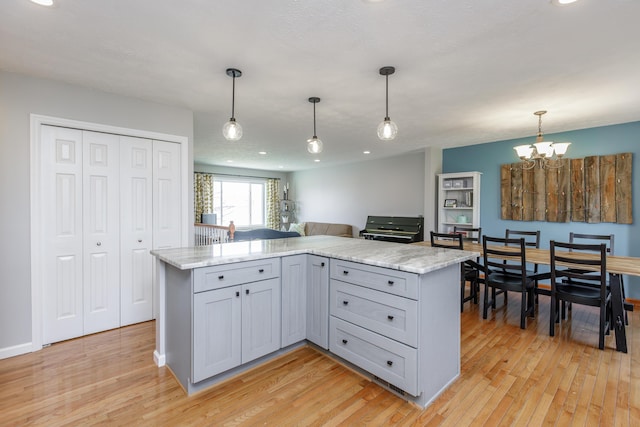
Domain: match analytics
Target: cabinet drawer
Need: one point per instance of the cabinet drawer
(390, 315)
(383, 279)
(384, 358)
(221, 276)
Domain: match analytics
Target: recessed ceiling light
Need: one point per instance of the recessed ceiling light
(366, 152)
(229, 161)
(262, 152)
(316, 160)
(43, 2)
(563, 2)
(280, 167)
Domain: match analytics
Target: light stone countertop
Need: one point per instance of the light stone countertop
(397, 256)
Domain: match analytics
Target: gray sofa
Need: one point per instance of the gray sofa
(310, 229)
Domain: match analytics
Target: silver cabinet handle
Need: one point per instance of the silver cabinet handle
(139, 240)
(98, 244)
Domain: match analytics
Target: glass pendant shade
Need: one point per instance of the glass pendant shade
(232, 130)
(314, 145)
(544, 148)
(387, 129)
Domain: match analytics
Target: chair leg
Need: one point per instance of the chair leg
(552, 316)
(603, 325)
(523, 310)
(485, 306)
(462, 286)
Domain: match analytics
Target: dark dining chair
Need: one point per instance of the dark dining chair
(469, 234)
(607, 239)
(531, 240)
(454, 241)
(471, 271)
(505, 270)
(586, 284)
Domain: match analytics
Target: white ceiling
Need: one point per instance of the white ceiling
(467, 71)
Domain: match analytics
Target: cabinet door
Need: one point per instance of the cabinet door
(294, 299)
(318, 300)
(260, 318)
(136, 287)
(101, 226)
(217, 320)
(61, 193)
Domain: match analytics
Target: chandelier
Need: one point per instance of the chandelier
(542, 152)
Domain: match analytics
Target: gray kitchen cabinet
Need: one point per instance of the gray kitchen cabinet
(317, 303)
(294, 299)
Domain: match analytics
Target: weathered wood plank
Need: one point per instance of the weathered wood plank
(577, 190)
(528, 192)
(540, 195)
(564, 201)
(608, 188)
(516, 193)
(505, 191)
(592, 188)
(553, 207)
(624, 194)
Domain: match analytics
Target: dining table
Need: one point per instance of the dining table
(616, 267)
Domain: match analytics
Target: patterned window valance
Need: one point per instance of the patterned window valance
(594, 189)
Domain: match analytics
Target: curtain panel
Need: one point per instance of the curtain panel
(273, 203)
(202, 195)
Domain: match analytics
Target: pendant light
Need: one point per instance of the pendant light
(314, 144)
(232, 130)
(387, 130)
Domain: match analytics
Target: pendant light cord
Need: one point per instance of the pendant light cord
(314, 121)
(387, 98)
(233, 97)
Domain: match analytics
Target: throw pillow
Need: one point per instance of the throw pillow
(297, 227)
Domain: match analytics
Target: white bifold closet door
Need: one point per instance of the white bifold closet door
(109, 200)
(136, 228)
(80, 188)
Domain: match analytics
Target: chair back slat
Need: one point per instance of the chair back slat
(583, 262)
(444, 240)
(532, 243)
(580, 237)
(504, 254)
(469, 234)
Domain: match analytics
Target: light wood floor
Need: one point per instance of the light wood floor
(509, 377)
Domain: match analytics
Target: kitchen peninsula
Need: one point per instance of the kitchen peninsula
(389, 310)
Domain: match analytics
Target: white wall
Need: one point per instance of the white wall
(347, 194)
(21, 96)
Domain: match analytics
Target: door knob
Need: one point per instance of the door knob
(99, 244)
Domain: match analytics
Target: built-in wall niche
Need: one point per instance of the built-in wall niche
(593, 189)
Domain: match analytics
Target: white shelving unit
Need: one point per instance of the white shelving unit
(458, 201)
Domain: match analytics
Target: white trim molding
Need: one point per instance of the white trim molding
(15, 350)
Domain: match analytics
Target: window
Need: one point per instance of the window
(241, 200)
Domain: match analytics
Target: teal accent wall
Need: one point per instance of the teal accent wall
(487, 158)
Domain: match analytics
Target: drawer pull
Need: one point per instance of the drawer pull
(390, 317)
(220, 277)
(246, 291)
(345, 272)
(390, 362)
(237, 293)
(322, 264)
(261, 270)
(345, 302)
(390, 282)
(344, 341)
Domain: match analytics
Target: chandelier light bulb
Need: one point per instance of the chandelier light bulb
(387, 129)
(314, 145)
(232, 130)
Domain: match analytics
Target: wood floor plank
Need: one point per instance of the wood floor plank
(508, 376)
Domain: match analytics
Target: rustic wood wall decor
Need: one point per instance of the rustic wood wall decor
(594, 189)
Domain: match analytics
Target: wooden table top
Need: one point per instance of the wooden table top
(615, 263)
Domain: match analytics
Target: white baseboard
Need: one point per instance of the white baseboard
(15, 350)
(159, 358)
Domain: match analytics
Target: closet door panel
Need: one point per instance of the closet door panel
(136, 264)
(166, 194)
(61, 197)
(101, 224)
